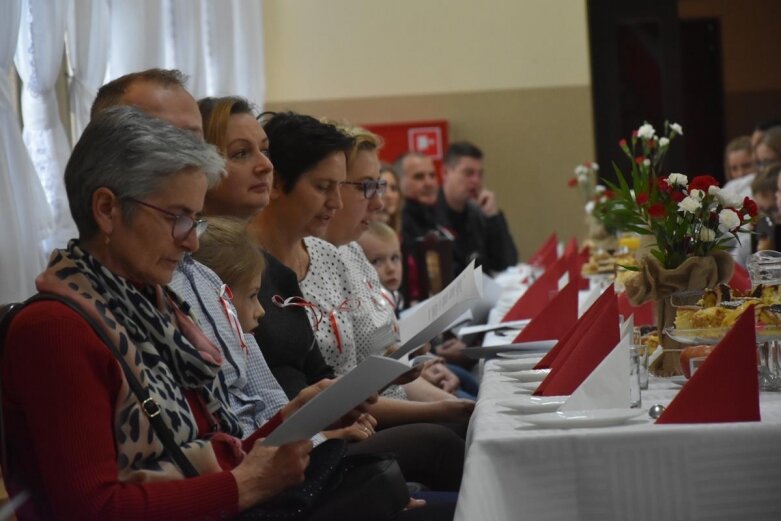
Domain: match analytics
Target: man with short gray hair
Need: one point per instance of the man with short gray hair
(244, 381)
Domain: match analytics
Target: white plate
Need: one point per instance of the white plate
(514, 355)
(576, 419)
(528, 387)
(679, 380)
(517, 365)
(529, 375)
(532, 404)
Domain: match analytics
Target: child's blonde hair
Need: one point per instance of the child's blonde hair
(227, 249)
(382, 231)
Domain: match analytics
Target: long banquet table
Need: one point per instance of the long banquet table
(637, 471)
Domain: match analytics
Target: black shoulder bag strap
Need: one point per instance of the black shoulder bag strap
(150, 407)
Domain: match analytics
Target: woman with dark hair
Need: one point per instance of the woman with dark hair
(392, 201)
(305, 198)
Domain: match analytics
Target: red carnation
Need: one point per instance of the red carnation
(622, 143)
(677, 196)
(642, 199)
(634, 133)
(750, 207)
(663, 185)
(702, 182)
(572, 182)
(639, 160)
(608, 194)
(656, 211)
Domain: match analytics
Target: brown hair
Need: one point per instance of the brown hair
(228, 250)
(362, 138)
(766, 182)
(216, 112)
(394, 221)
(110, 94)
(740, 143)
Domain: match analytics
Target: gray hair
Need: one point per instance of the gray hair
(132, 154)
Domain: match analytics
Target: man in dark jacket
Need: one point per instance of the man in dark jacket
(469, 211)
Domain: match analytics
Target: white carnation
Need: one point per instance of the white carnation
(707, 235)
(714, 190)
(595, 167)
(581, 170)
(690, 205)
(697, 194)
(728, 219)
(646, 131)
(676, 128)
(600, 189)
(646, 162)
(590, 207)
(677, 179)
(663, 142)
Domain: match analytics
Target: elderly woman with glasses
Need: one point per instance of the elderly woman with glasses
(76, 434)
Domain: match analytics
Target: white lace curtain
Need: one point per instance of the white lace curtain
(218, 43)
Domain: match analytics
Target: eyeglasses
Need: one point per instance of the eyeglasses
(183, 224)
(370, 187)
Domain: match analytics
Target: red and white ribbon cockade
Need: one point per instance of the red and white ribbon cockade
(318, 313)
(226, 300)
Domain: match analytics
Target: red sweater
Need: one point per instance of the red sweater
(60, 384)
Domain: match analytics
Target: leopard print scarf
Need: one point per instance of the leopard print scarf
(165, 350)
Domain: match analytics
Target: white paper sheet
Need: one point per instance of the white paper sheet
(370, 376)
(484, 328)
(607, 387)
(435, 314)
(537, 346)
(492, 292)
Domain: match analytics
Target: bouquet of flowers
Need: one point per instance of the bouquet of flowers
(687, 218)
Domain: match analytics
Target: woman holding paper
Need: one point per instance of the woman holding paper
(136, 188)
(304, 200)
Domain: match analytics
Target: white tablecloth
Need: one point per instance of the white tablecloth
(639, 471)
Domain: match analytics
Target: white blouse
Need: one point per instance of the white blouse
(350, 317)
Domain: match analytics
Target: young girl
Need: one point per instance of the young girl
(226, 248)
(381, 246)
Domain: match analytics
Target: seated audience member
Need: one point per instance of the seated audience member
(761, 128)
(227, 249)
(136, 188)
(374, 321)
(419, 185)
(764, 189)
(381, 247)
(741, 172)
(392, 201)
(310, 165)
(469, 211)
(738, 159)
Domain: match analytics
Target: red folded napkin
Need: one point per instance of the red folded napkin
(546, 252)
(724, 388)
(571, 246)
(740, 279)
(555, 319)
(540, 292)
(568, 340)
(570, 369)
(645, 314)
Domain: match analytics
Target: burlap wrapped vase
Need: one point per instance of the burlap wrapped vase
(654, 282)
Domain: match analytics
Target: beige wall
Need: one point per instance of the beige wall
(512, 76)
